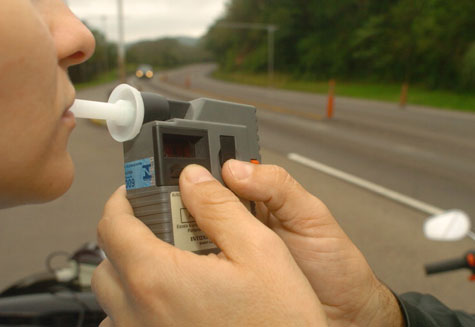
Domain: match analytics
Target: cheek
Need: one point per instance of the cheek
(44, 164)
(30, 119)
(38, 169)
(28, 79)
(35, 165)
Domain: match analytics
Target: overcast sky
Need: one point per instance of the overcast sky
(150, 19)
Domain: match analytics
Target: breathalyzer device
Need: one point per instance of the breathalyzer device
(160, 138)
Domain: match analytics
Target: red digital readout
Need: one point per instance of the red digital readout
(179, 146)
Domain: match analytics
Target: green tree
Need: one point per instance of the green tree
(418, 41)
(166, 52)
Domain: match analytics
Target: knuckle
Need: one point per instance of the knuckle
(146, 287)
(100, 230)
(103, 227)
(94, 280)
(280, 176)
(138, 283)
(284, 183)
(107, 226)
(145, 278)
(96, 277)
(217, 196)
(283, 177)
(108, 206)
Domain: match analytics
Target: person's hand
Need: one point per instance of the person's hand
(341, 277)
(254, 281)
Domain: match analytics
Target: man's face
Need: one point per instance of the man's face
(39, 40)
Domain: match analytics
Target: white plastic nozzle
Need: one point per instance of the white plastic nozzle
(124, 112)
(120, 112)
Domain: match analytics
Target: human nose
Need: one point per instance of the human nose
(74, 41)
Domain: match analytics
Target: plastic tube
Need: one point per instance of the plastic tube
(121, 112)
(124, 112)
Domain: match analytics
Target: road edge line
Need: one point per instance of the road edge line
(375, 188)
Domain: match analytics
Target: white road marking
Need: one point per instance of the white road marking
(393, 195)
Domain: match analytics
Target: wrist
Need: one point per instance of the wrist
(382, 309)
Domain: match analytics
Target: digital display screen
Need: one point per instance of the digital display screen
(179, 146)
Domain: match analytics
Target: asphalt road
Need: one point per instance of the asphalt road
(424, 153)
(388, 233)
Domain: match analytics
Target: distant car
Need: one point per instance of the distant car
(144, 71)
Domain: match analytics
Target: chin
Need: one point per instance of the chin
(37, 183)
(54, 183)
(37, 194)
(57, 190)
(59, 185)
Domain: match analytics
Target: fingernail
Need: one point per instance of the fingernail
(240, 169)
(196, 174)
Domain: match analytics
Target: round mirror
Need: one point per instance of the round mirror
(452, 225)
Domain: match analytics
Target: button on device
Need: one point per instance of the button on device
(228, 149)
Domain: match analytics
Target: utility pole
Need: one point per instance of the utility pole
(271, 29)
(121, 45)
(270, 61)
(104, 28)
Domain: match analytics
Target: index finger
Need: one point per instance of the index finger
(125, 239)
(116, 205)
(222, 216)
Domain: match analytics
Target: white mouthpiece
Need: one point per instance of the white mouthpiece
(124, 113)
(120, 112)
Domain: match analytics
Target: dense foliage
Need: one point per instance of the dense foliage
(166, 52)
(430, 42)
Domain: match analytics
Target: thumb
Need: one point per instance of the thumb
(221, 215)
(295, 208)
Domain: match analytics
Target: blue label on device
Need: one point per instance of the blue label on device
(139, 174)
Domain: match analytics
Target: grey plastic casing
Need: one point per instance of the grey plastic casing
(218, 131)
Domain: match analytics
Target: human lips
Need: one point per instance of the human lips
(70, 97)
(68, 116)
(66, 110)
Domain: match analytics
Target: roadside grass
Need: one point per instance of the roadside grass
(417, 95)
